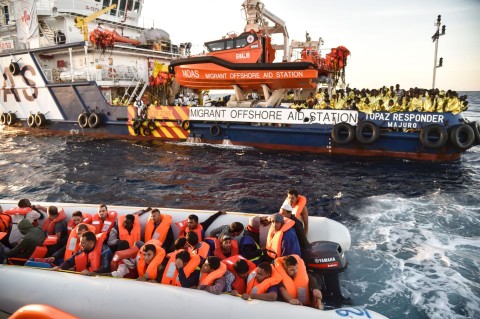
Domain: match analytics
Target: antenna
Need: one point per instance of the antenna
(435, 38)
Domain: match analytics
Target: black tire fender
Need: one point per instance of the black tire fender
(94, 120)
(40, 120)
(215, 130)
(31, 120)
(152, 126)
(3, 118)
(11, 118)
(462, 136)
(343, 133)
(14, 68)
(367, 132)
(186, 125)
(437, 132)
(137, 124)
(146, 131)
(83, 120)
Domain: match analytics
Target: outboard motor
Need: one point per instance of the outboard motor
(325, 260)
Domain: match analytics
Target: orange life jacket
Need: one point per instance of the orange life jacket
(182, 226)
(151, 271)
(94, 257)
(49, 225)
(274, 238)
(17, 211)
(297, 210)
(134, 234)
(5, 222)
(218, 248)
(104, 226)
(73, 244)
(209, 279)
(123, 254)
(254, 287)
(239, 284)
(298, 286)
(87, 219)
(170, 275)
(202, 249)
(161, 231)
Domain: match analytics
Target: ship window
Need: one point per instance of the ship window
(113, 12)
(229, 44)
(215, 46)
(106, 3)
(240, 42)
(123, 4)
(136, 7)
(130, 5)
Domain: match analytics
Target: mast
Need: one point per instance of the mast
(435, 39)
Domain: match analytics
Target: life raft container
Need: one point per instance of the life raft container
(343, 133)
(367, 132)
(433, 136)
(462, 136)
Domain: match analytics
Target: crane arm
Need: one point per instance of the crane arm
(82, 23)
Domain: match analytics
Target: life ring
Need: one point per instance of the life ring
(433, 136)
(11, 118)
(40, 119)
(367, 132)
(94, 120)
(215, 130)
(462, 136)
(112, 73)
(343, 133)
(136, 124)
(3, 119)
(152, 126)
(146, 131)
(186, 125)
(14, 68)
(83, 120)
(31, 120)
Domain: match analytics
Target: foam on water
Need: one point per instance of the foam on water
(417, 249)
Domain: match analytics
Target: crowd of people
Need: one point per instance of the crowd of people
(227, 259)
(385, 100)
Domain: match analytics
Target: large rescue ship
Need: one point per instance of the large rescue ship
(65, 78)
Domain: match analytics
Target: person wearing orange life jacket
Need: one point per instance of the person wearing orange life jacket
(214, 276)
(240, 268)
(262, 283)
(282, 239)
(23, 210)
(181, 269)
(77, 218)
(159, 227)
(297, 287)
(149, 261)
(5, 227)
(299, 204)
(72, 246)
(192, 224)
(286, 211)
(223, 247)
(197, 247)
(93, 257)
(56, 225)
(105, 220)
(127, 228)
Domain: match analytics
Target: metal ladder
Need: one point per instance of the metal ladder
(138, 91)
(47, 31)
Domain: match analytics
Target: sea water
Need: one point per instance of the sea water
(414, 225)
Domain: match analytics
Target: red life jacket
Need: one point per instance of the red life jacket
(104, 226)
(239, 284)
(183, 229)
(49, 225)
(134, 234)
(218, 248)
(87, 219)
(123, 254)
(17, 211)
(94, 257)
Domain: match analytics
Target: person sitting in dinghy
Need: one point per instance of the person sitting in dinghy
(93, 257)
(214, 276)
(262, 283)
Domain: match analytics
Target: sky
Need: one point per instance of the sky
(390, 41)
